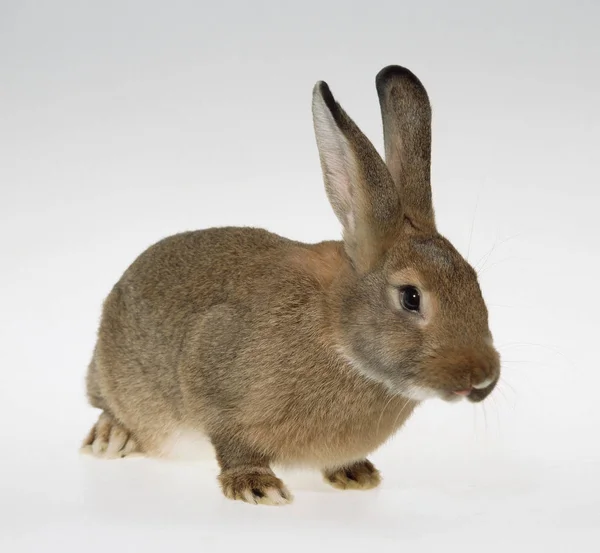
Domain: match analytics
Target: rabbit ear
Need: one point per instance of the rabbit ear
(358, 183)
(406, 114)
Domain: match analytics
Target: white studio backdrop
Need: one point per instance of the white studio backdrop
(124, 122)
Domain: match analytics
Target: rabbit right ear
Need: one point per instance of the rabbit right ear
(358, 183)
(406, 114)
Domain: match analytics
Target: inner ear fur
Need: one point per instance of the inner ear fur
(358, 183)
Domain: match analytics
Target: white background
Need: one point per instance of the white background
(123, 122)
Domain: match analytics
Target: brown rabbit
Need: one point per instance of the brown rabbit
(292, 353)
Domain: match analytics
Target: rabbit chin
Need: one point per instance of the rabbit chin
(421, 393)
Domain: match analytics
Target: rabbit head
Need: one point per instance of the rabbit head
(411, 315)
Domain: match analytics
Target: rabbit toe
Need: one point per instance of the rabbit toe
(109, 440)
(255, 485)
(359, 476)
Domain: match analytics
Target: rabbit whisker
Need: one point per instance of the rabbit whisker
(408, 400)
(474, 217)
(486, 256)
(392, 397)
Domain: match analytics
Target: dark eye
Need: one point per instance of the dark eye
(410, 298)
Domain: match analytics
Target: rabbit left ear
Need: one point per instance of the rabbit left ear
(358, 183)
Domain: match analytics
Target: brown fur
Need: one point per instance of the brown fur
(283, 352)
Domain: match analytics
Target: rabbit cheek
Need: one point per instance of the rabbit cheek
(377, 355)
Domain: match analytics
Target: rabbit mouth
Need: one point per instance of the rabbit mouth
(474, 394)
(479, 394)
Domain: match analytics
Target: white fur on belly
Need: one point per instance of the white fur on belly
(187, 445)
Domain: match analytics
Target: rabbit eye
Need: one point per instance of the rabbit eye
(410, 298)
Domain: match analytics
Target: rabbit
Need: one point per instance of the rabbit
(292, 354)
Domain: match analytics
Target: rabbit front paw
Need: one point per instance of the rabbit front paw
(109, 440)
(359, 476)
(256, 485)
